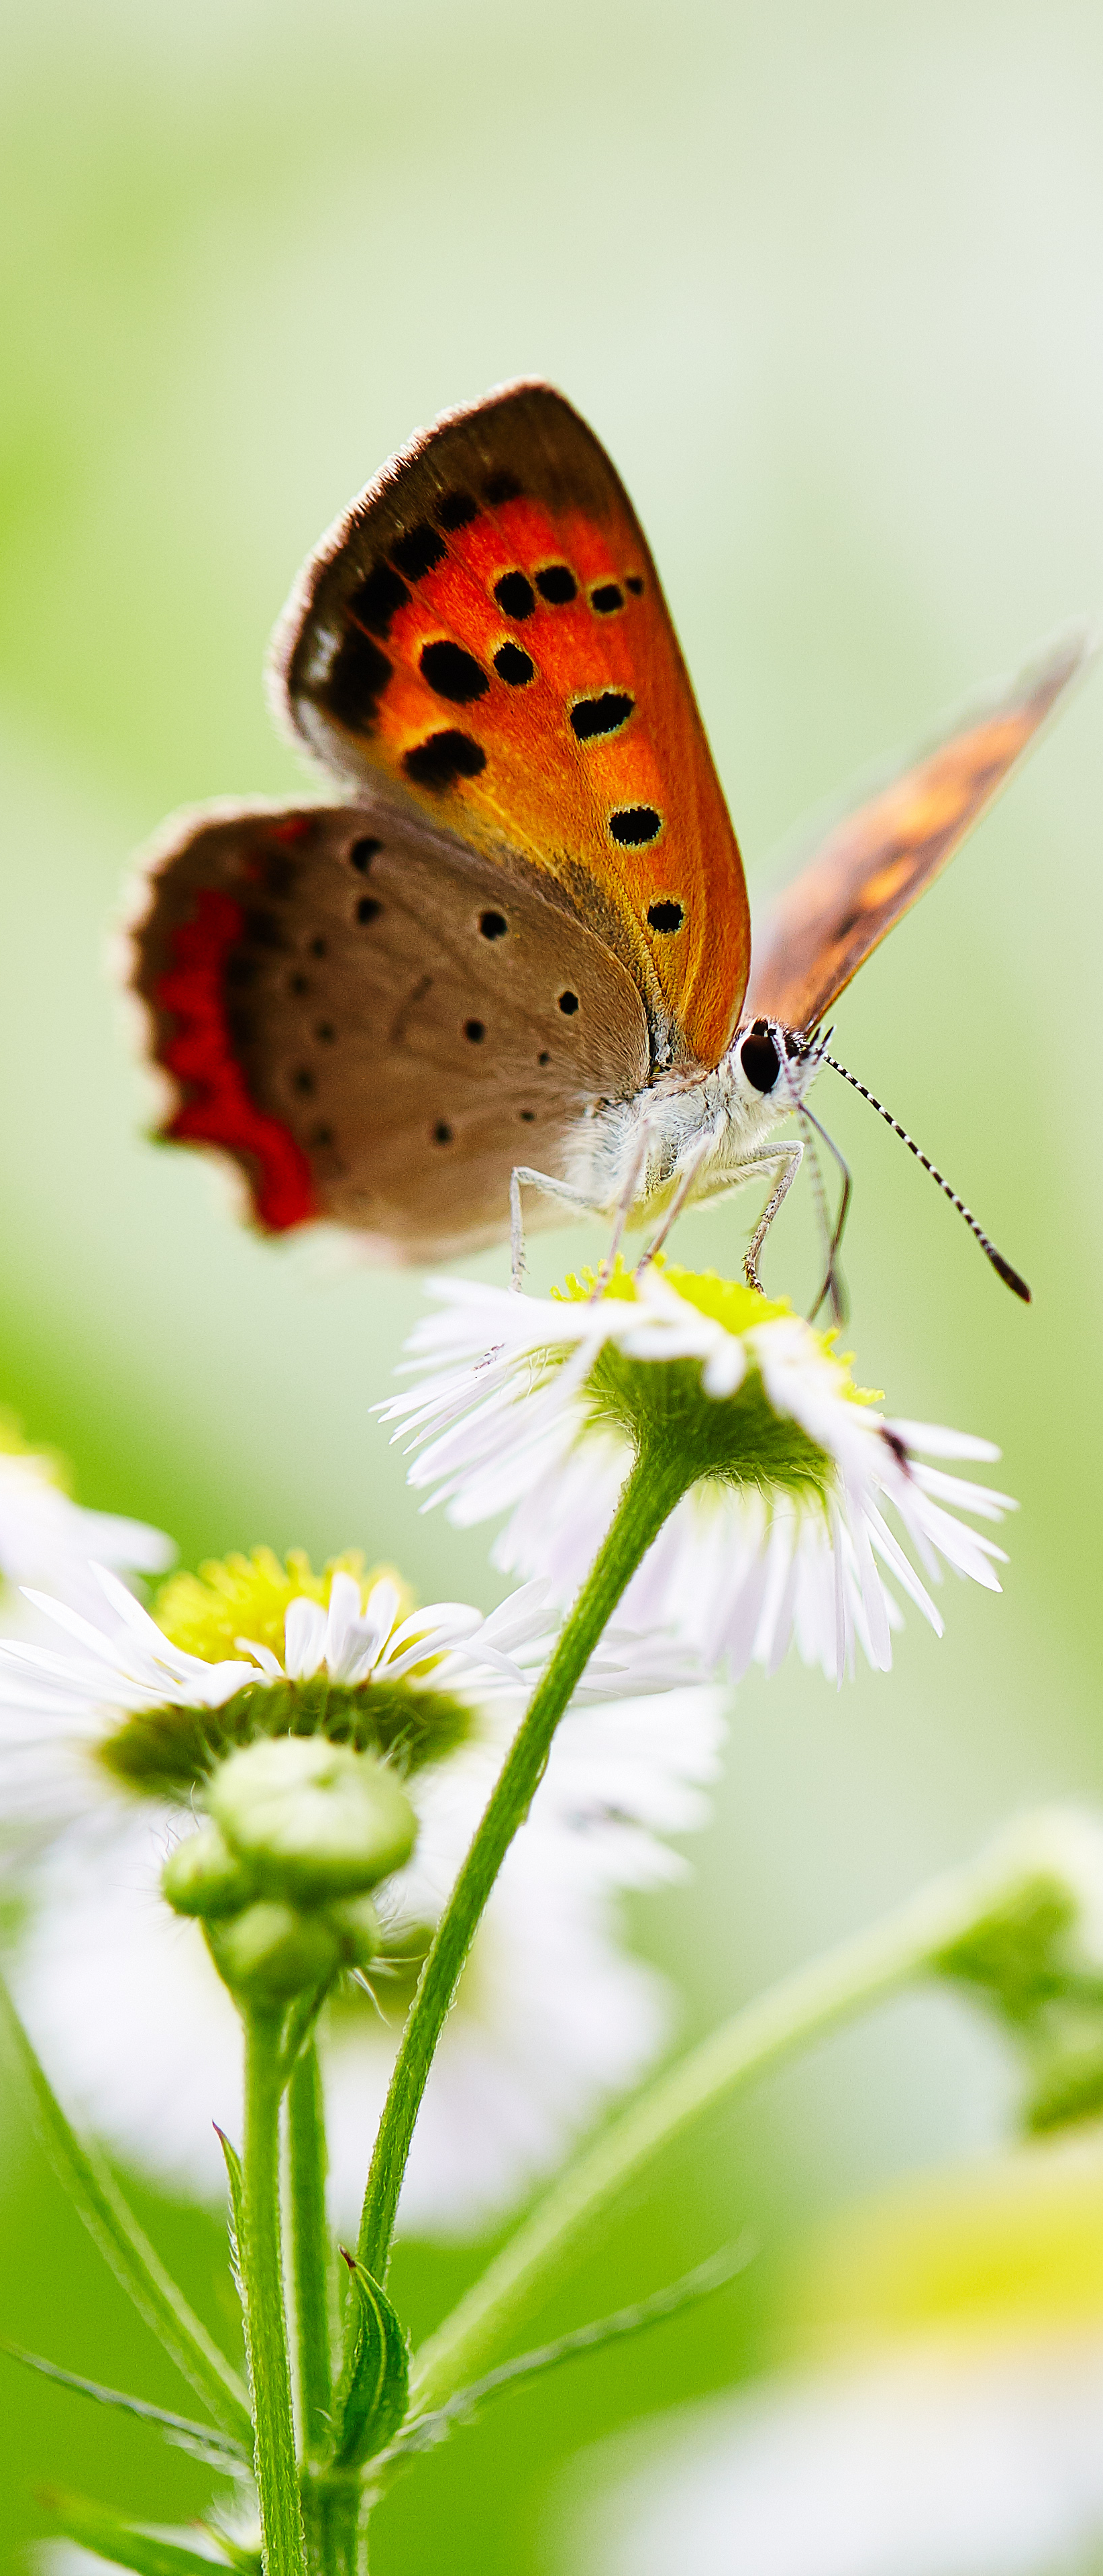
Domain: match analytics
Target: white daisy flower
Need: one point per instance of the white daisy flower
(128, 1704)
(542, 1405)
(47, 1538)
(552, 2015)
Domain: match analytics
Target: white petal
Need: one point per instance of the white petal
(304, 1637)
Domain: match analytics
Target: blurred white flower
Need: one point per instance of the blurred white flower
(104, 1746)
(530, 1404)
(47, 1538)
(64, 1738)
(65, 1744)
(949, 2423)
(923, 2464)
(553, 2016)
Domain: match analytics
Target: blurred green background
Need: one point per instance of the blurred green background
(829, 283)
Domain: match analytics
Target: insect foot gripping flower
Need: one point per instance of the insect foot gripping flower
(146, 1720)
(786, 1468)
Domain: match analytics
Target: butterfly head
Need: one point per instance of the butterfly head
(767, 1067)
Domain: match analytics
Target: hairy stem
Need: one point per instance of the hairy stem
(312, 2270)
(274, 2462)
(310, 2250)
(650, 1492)
(876, 1963)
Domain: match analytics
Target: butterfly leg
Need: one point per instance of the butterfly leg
(683, 1192)
(561, 1191)
(787, 1161)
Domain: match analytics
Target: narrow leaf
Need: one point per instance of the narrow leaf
(215, 2447)
(236, 2179)
(124, 2244)
(669, 2302)
(375, 2384)
(124, 2543)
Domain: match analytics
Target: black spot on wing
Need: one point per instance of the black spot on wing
(607, 598)
(634, 583)
(358, 676)
(592, 717)
(493, 925)
(419, 551)
(454, 674)
(515, 595)
(513, 666)
(363, 852)
(568, 1004)
(634, 825)
(443, 759)
(457, 510)
(502, 486)
(377, 600)
(557, 584)
(665, 916)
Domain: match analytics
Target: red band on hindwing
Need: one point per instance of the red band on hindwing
(217, 1109)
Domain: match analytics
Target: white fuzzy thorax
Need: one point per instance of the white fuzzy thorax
(710, 1132)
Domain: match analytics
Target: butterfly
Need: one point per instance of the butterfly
(514, 948)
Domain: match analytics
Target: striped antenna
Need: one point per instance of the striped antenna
(1003, 1268)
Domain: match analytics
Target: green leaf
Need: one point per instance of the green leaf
(375, 2383)
(236, 2179)
(124, 2543)
(669, 2302)
(124, 2245)
(201, 2438)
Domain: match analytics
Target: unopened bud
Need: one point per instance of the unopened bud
(271, 1953)
(203, 1876)
(356, 1925)
(311, 1819)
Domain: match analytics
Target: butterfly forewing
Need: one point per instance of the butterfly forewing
(875, 862)
(371, 1022)
(485, 630)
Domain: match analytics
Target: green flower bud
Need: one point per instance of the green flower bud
(311, 1819)
(203, 1876)
(270, 1953)
(356, 1924)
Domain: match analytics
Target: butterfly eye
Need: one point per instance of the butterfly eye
(760, 1061)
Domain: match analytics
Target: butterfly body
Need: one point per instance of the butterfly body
(514, 946)
(691, 1137)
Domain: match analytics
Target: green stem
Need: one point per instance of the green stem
(125, 2246)
(313, 2278)
(863, 1971)
(310, 2251)
(274, 2460)
(654, 1486)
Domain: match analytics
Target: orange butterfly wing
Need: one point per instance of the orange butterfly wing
(877, 861)
(485, 630)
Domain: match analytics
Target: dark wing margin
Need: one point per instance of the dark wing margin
(876, 861)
